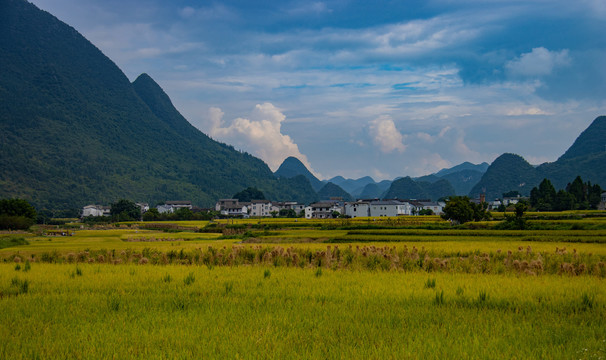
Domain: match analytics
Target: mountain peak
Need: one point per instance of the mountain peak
(591, 141)
(291, 167)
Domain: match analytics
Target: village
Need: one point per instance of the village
(326, 209)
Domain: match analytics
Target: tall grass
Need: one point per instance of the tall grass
(229, 312)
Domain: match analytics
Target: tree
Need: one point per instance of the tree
(577, 189)
(480, 211)
(183, 214)
(288, 213)
(459, 210)
(564, 201)
(426, 212)
(151, 215)
(249, 194)
(16, 214)
(512, 193)
(543, 198)
(125, 210)
(517, 221)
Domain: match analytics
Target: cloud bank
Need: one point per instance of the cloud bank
(260, 135)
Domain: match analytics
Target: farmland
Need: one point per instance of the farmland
(411, 287)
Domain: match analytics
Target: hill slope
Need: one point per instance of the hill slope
(291, 167)
(407, 188)
(508, 172)
(331, 190)
(591, 141)
(586, 158)
(74, 130)
(464, 166)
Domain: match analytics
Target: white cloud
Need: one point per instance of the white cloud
(187, 12)
(307, 8)
(261, 134)
(386, 135)
(538, 62)
(527, 111)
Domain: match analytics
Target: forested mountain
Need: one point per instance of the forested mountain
(585, 158)
(591, 141)
(352, 186)
(462, 177)
(466, 166)
(332, 190)
(463, 181)
(407, 188)
(291, 167)
(508, 172)
(74, 130)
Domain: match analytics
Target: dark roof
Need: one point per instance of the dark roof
(323, 204)
(178, 202)
(387, 202)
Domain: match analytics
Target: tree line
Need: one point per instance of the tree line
(576, 196)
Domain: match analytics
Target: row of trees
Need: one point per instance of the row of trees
(577, 196)
(16, 214)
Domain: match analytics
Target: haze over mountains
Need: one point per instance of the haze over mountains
(74, 130)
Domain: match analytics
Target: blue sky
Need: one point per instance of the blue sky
(355, 88)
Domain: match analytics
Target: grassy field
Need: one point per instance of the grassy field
(412, 287)
(103, 311)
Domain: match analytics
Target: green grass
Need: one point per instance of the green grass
(12, 241)
(391, 291)
(131, 311)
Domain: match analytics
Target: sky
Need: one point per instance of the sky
(356, 88)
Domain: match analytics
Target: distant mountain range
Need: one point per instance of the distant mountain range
(586, 157)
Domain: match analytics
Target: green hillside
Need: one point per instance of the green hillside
(591, 141)
(75, 131)
(586, 158)
(292, 167)
(508, 172)
(332, 190)
(407, 188)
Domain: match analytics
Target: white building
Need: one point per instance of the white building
(96, 210)
(225, 202)
(143, 206)
(179, 204)
(260, 208)
(436, 207)
(235, 210)
(322, 210)
(511, 200)
(288, 205)
(390, 208)
(172, 206)
(356, 209)
(163, 209)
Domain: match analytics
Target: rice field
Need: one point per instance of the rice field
(401, 288)
(131, 311)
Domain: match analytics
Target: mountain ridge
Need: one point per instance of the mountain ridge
(74, 130)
